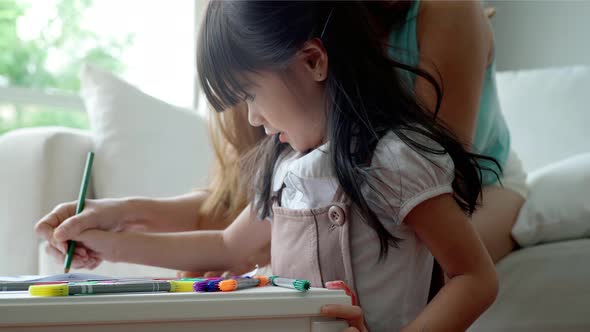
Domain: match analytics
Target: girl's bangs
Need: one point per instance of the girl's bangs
(221, 62)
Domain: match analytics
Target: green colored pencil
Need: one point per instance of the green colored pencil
(79, 208)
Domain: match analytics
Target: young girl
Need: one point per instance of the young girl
(356, 181)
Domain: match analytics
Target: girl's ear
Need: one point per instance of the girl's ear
(315, 59)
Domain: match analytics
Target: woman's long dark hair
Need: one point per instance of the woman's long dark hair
(366, 96)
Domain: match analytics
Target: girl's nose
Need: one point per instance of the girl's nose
(253, 116)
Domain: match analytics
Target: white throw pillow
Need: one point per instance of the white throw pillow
(143, 146)
(547, 113)
(558, 206)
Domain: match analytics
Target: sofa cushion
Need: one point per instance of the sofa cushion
(143, 146)
(542, 288)
(558, 205)
(39, 168)
(547, 112)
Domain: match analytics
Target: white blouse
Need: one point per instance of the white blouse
(392, 292)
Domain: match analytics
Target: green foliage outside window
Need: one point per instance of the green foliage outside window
(25, 62)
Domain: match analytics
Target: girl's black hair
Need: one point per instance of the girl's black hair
(366, 95)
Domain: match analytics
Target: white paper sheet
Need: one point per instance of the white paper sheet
(56, 277)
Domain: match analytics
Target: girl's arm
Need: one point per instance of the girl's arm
(456, 42)
(189, 251)
(170, 214)
(473, 284)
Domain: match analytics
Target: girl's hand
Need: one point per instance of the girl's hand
(353, 314)
(63, 224)
(83, 258)
(98, 246)
(92, 247)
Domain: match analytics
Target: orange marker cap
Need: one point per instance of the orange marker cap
(228, 285)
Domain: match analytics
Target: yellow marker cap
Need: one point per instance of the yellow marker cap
(49, 290)
(178, 286)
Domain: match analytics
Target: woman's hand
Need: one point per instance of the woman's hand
(62, 224)
(353, 314)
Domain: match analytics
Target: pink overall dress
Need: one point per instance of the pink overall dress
(313, 244)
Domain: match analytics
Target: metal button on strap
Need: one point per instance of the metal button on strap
(336, 215)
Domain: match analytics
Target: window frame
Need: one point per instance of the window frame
(10, 94)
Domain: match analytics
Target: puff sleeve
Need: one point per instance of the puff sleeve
(400, 177)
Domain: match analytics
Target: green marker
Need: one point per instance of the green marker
(79, 208)
(298, 284)
(193, 279)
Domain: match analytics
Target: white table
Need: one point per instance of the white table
(257, 309)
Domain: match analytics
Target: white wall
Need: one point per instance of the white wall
(536, 34)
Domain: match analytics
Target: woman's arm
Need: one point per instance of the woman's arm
(473, 284)
(456, 42)
(189, 251)
(173, 214)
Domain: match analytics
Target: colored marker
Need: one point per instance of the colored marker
(88, 288)
(298, 284)
(11, 286)
(182, 286)
(263, 280)
(213, 285)
(200, 286)
(193, 279)
(208, 285)
(242, 283)
(79, 208)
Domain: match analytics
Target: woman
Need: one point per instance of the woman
(451, 40)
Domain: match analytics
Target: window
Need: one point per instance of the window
(44, 43)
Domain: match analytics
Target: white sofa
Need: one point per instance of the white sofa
(143, 147)
(546, 286)
(546, 111)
